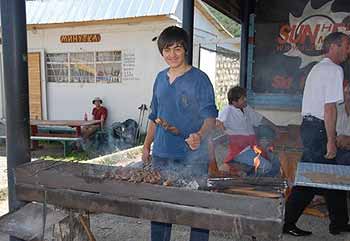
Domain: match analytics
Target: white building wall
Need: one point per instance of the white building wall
(282, 118)
(205, 35)
(72, 100)
(208, 64)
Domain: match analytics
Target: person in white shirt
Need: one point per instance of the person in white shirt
(240, 122)
(323, 90)
(343, 127)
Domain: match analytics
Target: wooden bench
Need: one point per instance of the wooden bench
(56, 129)
(64, 140)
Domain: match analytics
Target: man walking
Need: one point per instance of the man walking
(323, 90)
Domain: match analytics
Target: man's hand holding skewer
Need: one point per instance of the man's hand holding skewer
(194, 140)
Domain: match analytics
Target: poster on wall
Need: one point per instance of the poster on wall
(129, 65)
(289, 37)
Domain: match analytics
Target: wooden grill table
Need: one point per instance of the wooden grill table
(80, 186)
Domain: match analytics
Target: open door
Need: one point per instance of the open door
(34, 75)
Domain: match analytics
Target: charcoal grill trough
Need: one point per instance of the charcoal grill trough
(91, 188)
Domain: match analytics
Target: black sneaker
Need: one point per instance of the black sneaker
(295, 231)
(339, 229)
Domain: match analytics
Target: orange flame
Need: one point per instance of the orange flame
(256, 159)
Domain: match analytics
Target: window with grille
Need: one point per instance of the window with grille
(84, 67)
(108, 67)
(57, 67)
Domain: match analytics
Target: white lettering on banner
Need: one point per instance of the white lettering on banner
(303, 36)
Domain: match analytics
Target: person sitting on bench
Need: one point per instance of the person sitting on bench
(245, 128)
(99, 112)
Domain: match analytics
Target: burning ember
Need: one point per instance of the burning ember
(256, 159)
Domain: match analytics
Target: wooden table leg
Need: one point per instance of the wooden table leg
(34, 130)
(86, 227)
(78, 131)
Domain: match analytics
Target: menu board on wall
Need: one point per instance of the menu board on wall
(129, 64)
(289, 37)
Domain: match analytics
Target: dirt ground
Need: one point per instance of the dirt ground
(108, 227)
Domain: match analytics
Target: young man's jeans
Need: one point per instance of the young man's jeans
(193, 166)
(162, 231)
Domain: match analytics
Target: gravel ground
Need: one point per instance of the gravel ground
(116, 228)
(111, 227)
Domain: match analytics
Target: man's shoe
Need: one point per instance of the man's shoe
(295, 231)
(339, 229)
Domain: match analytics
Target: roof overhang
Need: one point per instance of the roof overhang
(211, 18)
(128, 21)
(231, 8)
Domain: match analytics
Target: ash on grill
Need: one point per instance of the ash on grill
(145, 175)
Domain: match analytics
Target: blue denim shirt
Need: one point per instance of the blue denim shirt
(185, 104)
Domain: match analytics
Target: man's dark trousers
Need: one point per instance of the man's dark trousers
(314, 138)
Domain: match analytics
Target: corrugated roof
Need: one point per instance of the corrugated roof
(65, 11)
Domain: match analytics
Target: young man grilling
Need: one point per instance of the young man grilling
(182, 113)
